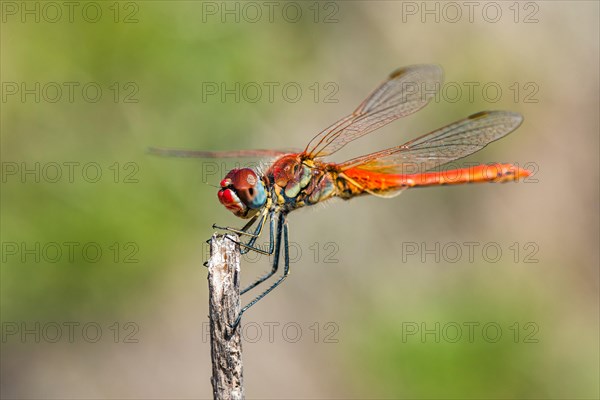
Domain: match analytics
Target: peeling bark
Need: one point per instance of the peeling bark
(224, 306)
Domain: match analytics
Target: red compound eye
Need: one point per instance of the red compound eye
(243, 179)
(244, 183)
(240, 191)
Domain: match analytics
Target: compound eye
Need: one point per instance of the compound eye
(244, 182)
(246, 195)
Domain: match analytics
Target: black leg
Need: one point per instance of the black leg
(246, 247)
(271, 242)
(241, 231)
(286, 268)
(250, 245)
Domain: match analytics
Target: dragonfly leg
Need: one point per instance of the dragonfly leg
(241, 231)
(253, 236)
(286, 268)
(250, 245)
(270, 251)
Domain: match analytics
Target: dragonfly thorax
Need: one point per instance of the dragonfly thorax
(291, 174)
(242, 192)
(298, 181)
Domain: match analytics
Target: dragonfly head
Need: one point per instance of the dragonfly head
(242, 192)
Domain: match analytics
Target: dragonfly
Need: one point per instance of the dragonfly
(304, 178)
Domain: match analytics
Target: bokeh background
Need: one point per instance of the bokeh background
(379, 288)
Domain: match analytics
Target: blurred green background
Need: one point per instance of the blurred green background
(368, 312)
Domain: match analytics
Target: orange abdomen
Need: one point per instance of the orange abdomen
(360, 180)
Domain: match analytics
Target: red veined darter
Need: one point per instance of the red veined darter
(299, 179)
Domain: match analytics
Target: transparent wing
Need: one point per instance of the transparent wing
(442, 146)
(406, 91)
(168, 152)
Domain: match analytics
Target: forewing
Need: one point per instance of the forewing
(406, 91)
(168, 152)
(441, 146)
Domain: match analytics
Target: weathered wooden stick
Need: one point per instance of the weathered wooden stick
(224, 306)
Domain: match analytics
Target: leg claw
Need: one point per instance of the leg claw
(233, 327)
